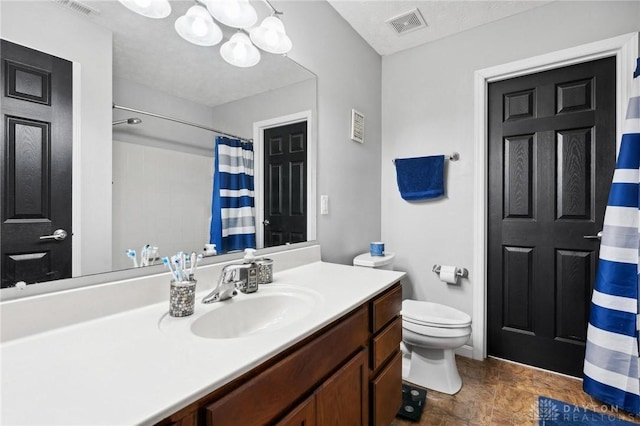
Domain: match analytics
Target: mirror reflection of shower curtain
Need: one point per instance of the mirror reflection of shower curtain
(233, 207)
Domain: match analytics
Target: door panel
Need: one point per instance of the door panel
(27, 175)
(36, 151)
(285, 184)
(551, 159)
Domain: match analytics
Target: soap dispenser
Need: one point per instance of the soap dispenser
(250, 273)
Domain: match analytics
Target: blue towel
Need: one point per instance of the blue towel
(420, 178)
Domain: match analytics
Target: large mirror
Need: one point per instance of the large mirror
(145, 107)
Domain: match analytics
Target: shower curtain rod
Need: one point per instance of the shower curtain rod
(177, 120)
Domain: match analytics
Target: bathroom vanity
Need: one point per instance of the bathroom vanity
(332, 357)
(349, 372)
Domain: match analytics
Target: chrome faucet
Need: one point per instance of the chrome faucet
(233, 277)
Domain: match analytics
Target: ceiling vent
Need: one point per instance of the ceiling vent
(78, 7)
(357, 126)
(407, 22)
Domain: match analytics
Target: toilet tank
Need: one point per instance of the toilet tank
(379, 262)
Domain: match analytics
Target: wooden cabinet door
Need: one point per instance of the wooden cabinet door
(343, 398)
(386, 392)
(303, 415)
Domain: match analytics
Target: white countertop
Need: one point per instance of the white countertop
(126, 369)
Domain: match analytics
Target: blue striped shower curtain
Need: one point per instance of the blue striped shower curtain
(233, 225)
(611, 366)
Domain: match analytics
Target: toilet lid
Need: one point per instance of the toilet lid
(434, 314)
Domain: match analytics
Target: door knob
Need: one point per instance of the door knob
(266, 222)
(598, 236)
(58, 235)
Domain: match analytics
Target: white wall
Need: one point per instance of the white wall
(238, 117)
(160, 197)
(349, 76)
(162, 174)
(158, 132)
(50, 28)
(428, 109)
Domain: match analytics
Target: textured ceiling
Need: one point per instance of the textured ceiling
(150, 52)
(443, 18)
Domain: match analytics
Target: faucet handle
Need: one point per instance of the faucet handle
(229, 274)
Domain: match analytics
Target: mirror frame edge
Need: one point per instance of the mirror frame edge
(87, 281)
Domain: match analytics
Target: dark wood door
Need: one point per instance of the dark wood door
(551, 159)
(285, 177)
(36, 153)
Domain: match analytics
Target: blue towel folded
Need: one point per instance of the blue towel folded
(420, 178)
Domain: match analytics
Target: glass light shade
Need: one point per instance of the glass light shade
(156, 9)
(197, 26)
(233, 13)
(239, 51)
(271, 37)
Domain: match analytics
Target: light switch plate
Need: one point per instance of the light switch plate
(324, 204)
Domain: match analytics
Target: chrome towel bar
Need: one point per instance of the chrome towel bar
(453, 157)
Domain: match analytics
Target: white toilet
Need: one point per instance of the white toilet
(430, 334)
(378, 262)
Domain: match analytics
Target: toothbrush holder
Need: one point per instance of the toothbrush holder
(182, 297)
(265, 270)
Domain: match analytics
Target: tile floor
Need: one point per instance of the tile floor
(496, 392)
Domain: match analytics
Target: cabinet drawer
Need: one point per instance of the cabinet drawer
(386, 390)
(386, 307)
(386, 343)
(267, 395)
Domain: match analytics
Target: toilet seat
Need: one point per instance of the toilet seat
(433, 315)
(427, 330)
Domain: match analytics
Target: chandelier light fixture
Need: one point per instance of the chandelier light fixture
(239, 51)
(156, 9)
(270, 36)
(198, 26)
(233, 13)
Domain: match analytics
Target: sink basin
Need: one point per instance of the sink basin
(251, 314)
(271, 308)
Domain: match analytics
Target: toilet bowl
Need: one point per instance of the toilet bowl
(430, 334)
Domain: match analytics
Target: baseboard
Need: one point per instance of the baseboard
(466, 351)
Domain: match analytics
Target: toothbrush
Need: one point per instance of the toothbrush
(165, 262)
(152, 255)
(178, 267)
(144, 255)
(131, 254)
(193, 262)
(183, 261)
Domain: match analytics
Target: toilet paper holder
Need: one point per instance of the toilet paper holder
(460, 272)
